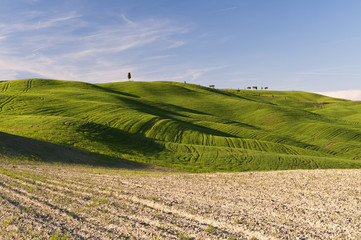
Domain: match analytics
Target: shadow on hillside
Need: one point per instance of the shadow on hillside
(173, 115)
(19, 147)
(117, 140)
(146, 106)
(115, 91)
(171, 111)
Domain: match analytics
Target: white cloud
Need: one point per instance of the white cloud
(345, 94)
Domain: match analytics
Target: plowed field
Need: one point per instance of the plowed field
(54, 201)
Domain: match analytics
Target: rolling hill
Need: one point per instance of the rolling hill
(177, 125)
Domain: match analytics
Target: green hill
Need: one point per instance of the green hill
(182, 126)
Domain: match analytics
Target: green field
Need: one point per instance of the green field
(177, 125)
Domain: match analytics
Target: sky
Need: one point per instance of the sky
(307, 45)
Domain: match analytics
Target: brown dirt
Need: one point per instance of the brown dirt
(44, 201)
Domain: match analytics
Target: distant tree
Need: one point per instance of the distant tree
(249, 88)
(254, 87)
(211, 86)
(129, 76)
(265, 88)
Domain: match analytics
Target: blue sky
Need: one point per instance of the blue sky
(285, 45)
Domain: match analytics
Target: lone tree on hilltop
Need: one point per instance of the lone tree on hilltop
(129, 76)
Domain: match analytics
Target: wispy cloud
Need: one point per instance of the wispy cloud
(69, 47)
(34, 21)
(177, 44)
(127, 20)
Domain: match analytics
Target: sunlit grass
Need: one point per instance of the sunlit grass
(185, 126)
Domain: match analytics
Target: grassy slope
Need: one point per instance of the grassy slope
(186, 126)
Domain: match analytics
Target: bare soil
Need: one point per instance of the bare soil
(54, 201)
